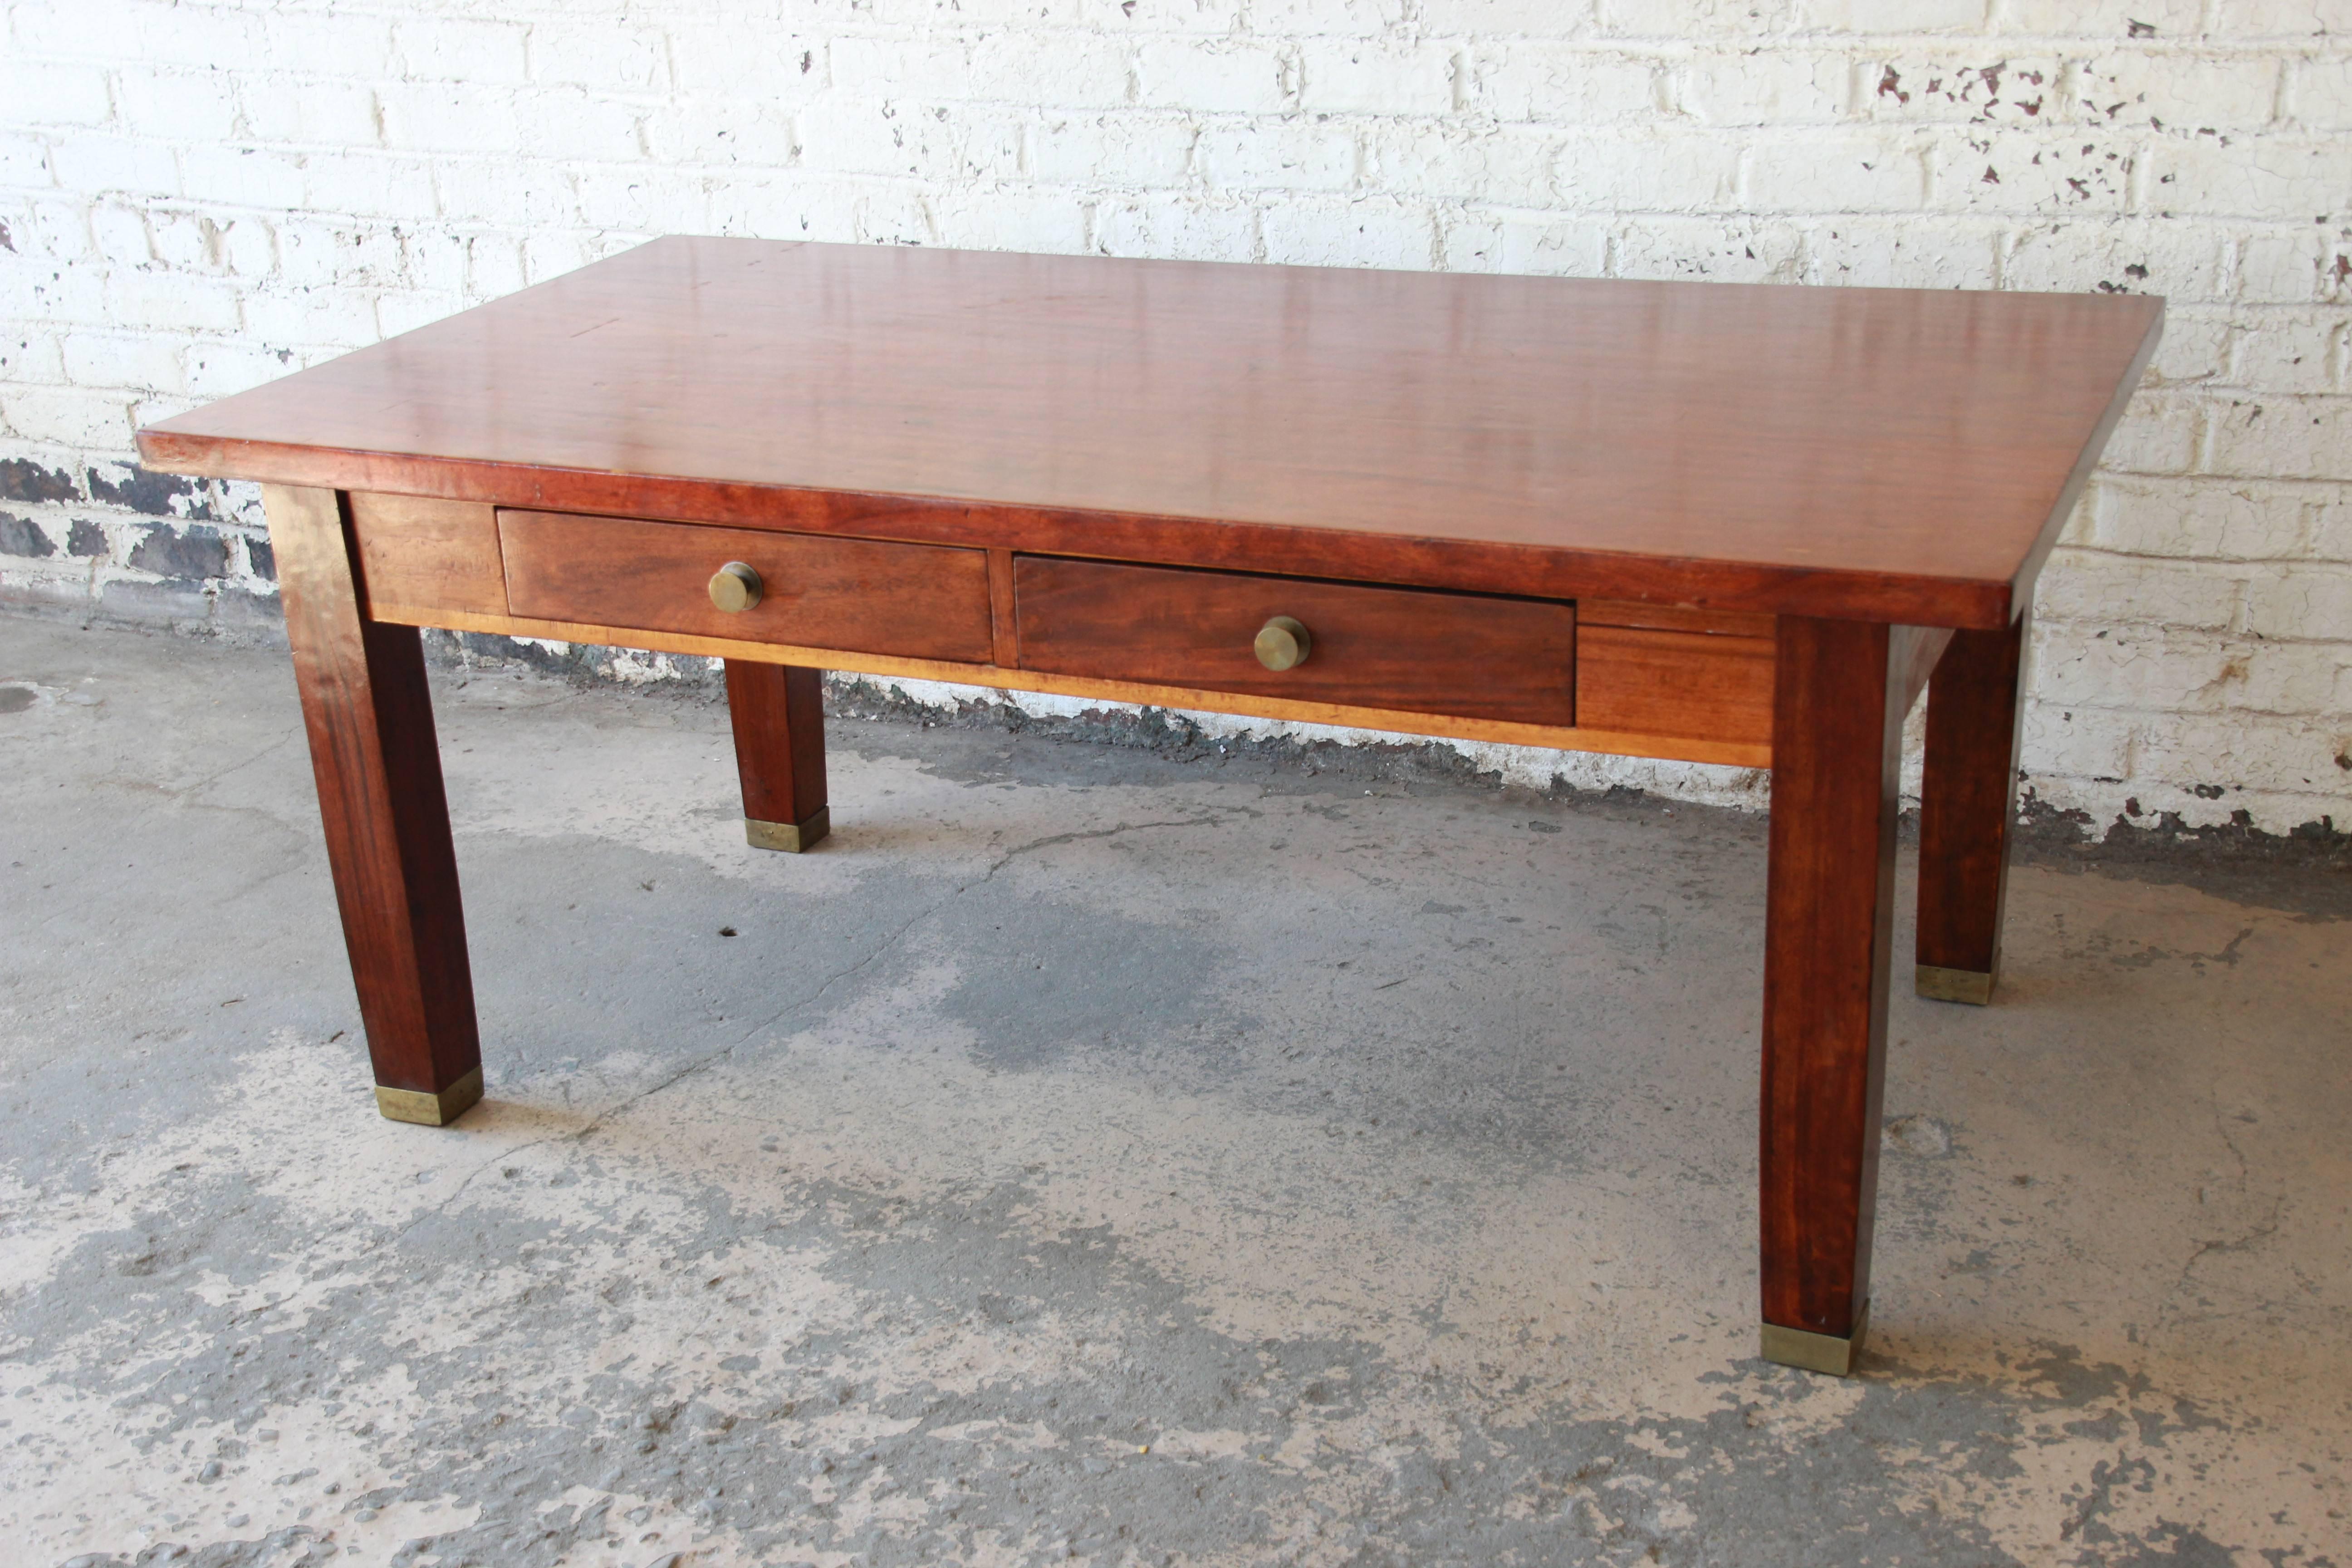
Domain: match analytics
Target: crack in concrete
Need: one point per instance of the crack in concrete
(181, 791)
(2259, 1232)
(1214, 820)
(2229, 955)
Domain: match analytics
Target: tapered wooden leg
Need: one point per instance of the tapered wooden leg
(1968, 812)
(1837, 730)
(370, 719)
(779, 715)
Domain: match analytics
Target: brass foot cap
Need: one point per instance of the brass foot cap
(1954, 985)
(1817, 1353)
(430, 1110)
(792, 837)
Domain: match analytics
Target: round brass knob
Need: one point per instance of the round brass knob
(1281, 643)
(735, 587)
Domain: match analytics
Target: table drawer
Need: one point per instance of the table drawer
(1655, 670)
(1468, 655)
(860, 595)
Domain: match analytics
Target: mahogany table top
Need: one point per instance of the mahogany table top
(1872, 453)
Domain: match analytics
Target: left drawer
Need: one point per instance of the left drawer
(860, 595)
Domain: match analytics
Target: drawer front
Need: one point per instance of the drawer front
(860, 595)
(1675, 673)
(1458, 653)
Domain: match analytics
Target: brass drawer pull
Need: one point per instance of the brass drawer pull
(735, 587)
(1281, 643)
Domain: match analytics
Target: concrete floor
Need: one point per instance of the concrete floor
(1091, 1156)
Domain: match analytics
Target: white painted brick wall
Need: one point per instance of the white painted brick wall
(198, 196)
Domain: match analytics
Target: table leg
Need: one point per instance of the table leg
(778, 716)
(1968, 812)
(369, 718)
(1837, 732)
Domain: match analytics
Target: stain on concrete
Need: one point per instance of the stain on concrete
(1920, 1135)
(1288, 1224)
(1040, 979)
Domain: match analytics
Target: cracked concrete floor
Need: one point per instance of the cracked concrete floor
(1091, 1156)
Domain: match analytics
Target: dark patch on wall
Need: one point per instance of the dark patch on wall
(23, 536)
(197, 553)
(498, 649)
(493, 646)
(2307, 870)
(262, 559)
(152, 493)
(179, 604)
(86, 538)
(1171, 735)
(586, 664)
(249, 618)
(23, 479)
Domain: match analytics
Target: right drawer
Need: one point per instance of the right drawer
(1466, 655)
(1653, 669)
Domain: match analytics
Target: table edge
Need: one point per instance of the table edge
(2095, 446)
(1213, 543)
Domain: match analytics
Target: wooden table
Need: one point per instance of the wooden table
(1715, 522)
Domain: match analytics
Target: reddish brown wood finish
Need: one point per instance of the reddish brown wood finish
(1968, 798)
(1004, 618)
(1838, 711)
(1635, 613)
(417, 555)
(1926, 651)
(779, 717)
(916, 601)
(1510, 659)
(1674, 682)
(1872, 454)
(380, 792)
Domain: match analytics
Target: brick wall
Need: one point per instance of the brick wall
(195, 196)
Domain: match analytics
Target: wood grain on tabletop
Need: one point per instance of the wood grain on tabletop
(1893, 453)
